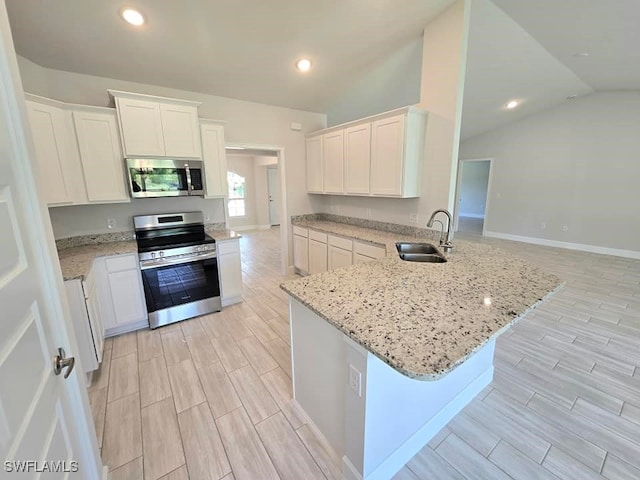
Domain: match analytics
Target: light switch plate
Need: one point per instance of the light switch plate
(355, 380)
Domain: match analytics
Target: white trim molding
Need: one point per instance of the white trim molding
(617, 252)
(243, 228)
(471, 215)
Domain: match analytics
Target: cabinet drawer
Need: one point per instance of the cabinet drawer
(318, 236)
(303, 232)
(122, 262)
(340, 242)
(227, 247)
(369, 250)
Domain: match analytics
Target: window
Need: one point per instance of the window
(236, 194)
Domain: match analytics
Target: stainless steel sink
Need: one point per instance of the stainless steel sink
(419, 252)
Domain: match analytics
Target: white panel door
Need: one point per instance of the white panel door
(387, 156)
(141, 126)
(333, 162)
(43, 416)
(101, 157)
(273, 182)
(48, 133)
(215, 160)
(181, 131)
(357, 158)
(314, 164)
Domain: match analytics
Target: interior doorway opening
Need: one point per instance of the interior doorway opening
(474, 180)
(263, 195)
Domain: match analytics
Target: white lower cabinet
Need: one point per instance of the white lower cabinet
(317, 257)
(366, 252)
(339, 253)
(230, 269)
(301, 249)
(120, 294)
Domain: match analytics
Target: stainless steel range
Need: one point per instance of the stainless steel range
(179, 267)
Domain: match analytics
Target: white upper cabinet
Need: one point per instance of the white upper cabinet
(181, 131)
(57, 161)
(333, 162)
(157, 126)
(215, 159)
(382, 155)
(100, 154)
(357, 158)
(314, 164)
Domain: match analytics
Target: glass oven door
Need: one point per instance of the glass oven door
(178, 284)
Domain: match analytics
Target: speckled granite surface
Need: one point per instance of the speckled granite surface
(75, 262)
(76, 254)
(423, 319)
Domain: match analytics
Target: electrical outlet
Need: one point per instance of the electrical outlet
(565, 228)
(355, 380)
(413, 219)
(543, 225)
(111, 222)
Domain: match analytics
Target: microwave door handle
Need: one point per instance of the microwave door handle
(188, 173)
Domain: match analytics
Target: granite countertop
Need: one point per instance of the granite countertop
(77, 254)
(75, 262)
(423, 319)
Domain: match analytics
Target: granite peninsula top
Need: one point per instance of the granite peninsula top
(423, 319)
(76, 254)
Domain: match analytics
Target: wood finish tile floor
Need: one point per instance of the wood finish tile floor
(210, 397)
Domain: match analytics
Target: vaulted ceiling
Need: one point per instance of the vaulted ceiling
(246, 49)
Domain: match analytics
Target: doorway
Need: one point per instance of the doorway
(474, 179)
(263, 170)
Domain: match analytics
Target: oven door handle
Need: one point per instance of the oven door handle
(161, 262)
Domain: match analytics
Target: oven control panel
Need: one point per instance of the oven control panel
(178, 252)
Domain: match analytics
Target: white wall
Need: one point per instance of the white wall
(442, 85)
(576, 165)
(247, 122)
(474, 177)
(91, 219)
(393, 82)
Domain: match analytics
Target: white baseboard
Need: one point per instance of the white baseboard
(471, 215)
(243, 228)
(112, 332)
(568, 245)
(349, 472)
(231, 300)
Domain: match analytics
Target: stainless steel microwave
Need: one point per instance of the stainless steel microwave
(150, 177)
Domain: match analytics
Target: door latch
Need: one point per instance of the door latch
(60, 362)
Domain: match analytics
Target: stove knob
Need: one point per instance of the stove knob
(161, 254)
(153, 255)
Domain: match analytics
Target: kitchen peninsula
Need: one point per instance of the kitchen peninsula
(385, 353)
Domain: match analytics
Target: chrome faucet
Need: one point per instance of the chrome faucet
(446, 244)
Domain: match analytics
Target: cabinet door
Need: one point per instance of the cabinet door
(357, 158)
(127, 297)
(101, 157)
(387, 156)
(317, 257)
(314, 164)
(181, 131)
(95, 320)
(81, 325)
(339, 258)
(333, 162)
(49, 138)
(301, 253)
(215, 160)
(141, 126)
(230, 267)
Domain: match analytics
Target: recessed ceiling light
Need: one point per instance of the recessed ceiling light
(304, 64)
(512, 104)
(581, 54)
(134, 17)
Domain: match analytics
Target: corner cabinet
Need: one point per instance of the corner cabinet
(157, 127)
(214, 158)
(100, 154)
(380, 155)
